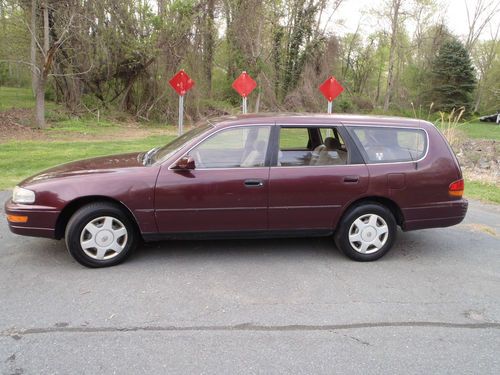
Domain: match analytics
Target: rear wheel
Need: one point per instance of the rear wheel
(100, 235)
(366, 232)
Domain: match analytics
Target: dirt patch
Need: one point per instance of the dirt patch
(480, 160)
(474, 227)
(14, 126)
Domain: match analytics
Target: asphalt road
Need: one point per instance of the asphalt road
(432, 305)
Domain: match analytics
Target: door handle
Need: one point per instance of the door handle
(254, 183)
(351, 179)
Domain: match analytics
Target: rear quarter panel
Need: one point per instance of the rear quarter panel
(420, 188)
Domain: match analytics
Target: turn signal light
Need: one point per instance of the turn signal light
(456, 188)
(17, 219)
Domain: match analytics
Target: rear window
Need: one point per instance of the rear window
(389, 144)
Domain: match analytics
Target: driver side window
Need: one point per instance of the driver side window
(241, 147)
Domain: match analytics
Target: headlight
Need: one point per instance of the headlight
(24, 196)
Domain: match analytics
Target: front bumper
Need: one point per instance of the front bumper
(41, 219)
(437, 215)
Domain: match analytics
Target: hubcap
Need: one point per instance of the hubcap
(103, 238)
(368, 234)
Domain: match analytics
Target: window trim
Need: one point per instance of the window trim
(267, 159)
(362, 149)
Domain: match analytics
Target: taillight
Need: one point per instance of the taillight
(456, 188)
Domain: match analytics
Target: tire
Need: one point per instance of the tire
(100, 235)
(366, 232)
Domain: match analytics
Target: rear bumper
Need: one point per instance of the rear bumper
(41, 219)
(437, 215)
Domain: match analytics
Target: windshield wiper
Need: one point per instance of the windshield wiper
(148, 155)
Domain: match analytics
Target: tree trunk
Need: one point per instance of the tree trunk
(2, 17)
(208, 39)
(40, 104)
(257, 101)
(34, 73)
(478, 99)
(392, 53)
(46, 37)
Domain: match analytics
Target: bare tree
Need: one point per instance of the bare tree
(478, 18)
(484, 55)
(394, 17)
(42, 56)
(33, 60)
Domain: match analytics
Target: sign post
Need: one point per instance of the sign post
(181, 115)
(181, 83)
(330, 90)
(244, 85)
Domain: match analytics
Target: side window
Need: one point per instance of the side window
(315, 146)
(294, 139)
(242, 147)
(389, 144)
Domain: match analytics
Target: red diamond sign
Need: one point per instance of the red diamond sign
(331, 88)
(244, 84)
(181, 82)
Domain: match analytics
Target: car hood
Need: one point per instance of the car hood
(104, 164)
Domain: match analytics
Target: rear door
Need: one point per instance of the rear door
(315, 172)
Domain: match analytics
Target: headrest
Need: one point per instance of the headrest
(332, 143)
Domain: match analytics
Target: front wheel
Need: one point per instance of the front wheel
(100, 235)
(366, 232)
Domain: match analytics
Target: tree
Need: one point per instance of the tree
(482, 15)
(44, 20)
(487, 61)
(394, 16)
(453, 77)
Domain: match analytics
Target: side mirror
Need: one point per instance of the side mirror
(185, 163)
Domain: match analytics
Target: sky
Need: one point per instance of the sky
(453, 11)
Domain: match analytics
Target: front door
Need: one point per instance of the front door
(227, 190)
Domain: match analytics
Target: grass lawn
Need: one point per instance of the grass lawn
(20, 98)
(481, 130)
(478, 130)
(19, 160)
(482, 191)
(60, 122)
(13, 97)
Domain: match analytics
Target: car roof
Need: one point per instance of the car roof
(313, 119)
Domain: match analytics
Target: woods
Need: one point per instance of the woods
(101, 55)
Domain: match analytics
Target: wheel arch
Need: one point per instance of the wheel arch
(76, 204)
(386, 202)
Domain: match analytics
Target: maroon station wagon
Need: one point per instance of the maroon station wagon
(354, 177)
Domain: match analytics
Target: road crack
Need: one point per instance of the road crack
(19, 333)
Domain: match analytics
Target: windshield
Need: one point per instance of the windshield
(166, 151)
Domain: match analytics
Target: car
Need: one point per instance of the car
(356, 178)
(491, 118)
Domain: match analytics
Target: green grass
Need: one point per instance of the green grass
(13, 97)
(481, 130)
(19, 98)
(482, 191)
(19, 160)
(84, 126)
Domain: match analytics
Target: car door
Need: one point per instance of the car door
(313, 176)
(226, 191)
